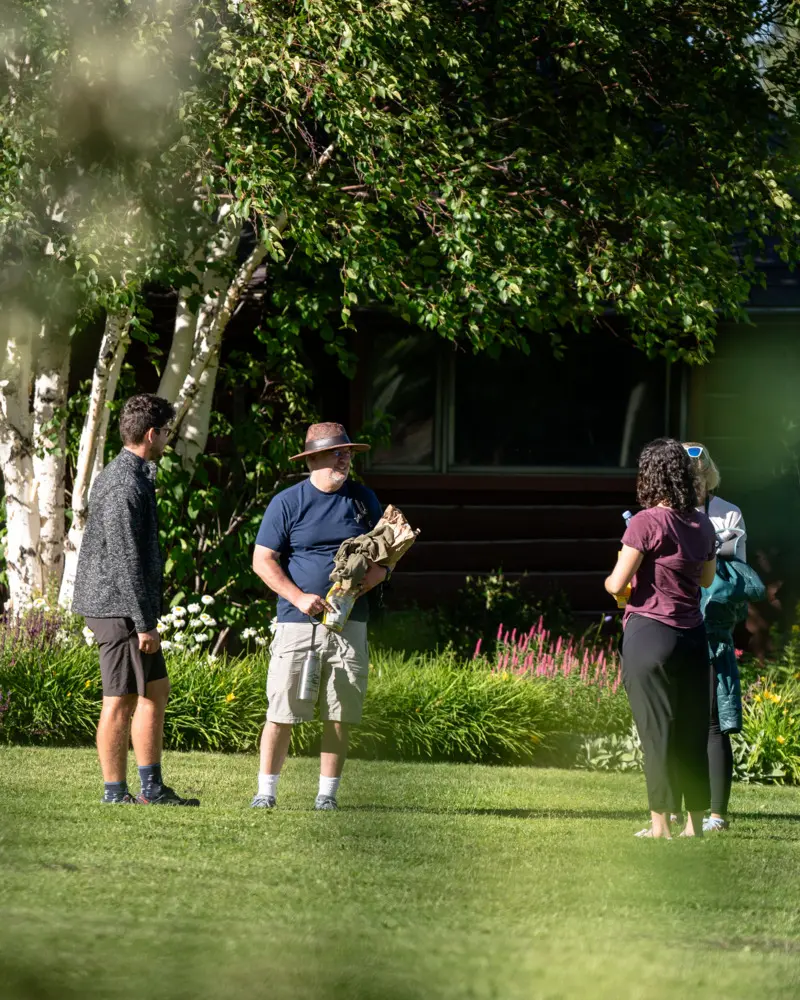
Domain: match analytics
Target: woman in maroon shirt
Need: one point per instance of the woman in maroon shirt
(667, 556)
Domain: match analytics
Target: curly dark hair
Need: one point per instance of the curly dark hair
(142, 412)
(666, 476)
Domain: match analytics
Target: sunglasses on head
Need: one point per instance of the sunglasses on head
(694, 450)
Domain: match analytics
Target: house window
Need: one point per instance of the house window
(403, 378)
(596, 407)
(452, 410)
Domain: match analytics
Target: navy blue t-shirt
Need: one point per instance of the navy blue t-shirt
(307, 527)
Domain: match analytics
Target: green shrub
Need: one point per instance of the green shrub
(436, 708)
(614, 752)
(418, 709)
(55, 699)
(411, 630)
(485, 603)
(768, 747)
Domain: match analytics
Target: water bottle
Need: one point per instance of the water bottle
(310, 674)
(622, 599)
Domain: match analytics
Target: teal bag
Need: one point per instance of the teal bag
(724, 605)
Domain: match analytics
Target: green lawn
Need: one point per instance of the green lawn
(431, 881)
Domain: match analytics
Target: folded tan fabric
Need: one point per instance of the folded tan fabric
(390, 539)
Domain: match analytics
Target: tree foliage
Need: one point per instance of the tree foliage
(511, 167)
(488, 171)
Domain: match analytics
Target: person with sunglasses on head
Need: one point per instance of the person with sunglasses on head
(299, 537)
(667, 555)
(730, 529)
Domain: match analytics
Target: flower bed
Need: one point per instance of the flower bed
(530, 697)
(419, 707)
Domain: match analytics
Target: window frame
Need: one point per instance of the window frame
(676, 412)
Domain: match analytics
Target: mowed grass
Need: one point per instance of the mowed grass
(449, 881)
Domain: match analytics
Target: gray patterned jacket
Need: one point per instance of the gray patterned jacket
(119, 567)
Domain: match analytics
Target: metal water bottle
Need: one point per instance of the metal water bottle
(310, 674)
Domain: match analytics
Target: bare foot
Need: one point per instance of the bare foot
(658, 829)
(650, 835)
(694, 825)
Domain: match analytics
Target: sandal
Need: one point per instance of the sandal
(648, 833)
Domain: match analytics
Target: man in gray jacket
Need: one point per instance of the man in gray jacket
(118, 589)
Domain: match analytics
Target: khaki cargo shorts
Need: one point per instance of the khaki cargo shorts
(345, 668)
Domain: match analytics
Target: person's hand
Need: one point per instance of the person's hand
(312, 604)
(623, 597)
(149, 642)
(375, 575)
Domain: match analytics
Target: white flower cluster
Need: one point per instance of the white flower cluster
(256, 634)
(30, 604)
(187, 627)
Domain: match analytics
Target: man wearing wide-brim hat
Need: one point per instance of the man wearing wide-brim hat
(299, 537)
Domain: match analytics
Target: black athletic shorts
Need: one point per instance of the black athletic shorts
(124, 668)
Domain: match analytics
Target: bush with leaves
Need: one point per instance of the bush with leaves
(614, 752)
(485, 603)
(768, 747)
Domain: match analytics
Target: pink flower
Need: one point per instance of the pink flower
(739, 653)
(477, 652)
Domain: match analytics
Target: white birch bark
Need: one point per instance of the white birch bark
(210, 328)
(51, 366)
(208, 283)
(194, 398)
(193, 436)
(180, 352)
(110, 357)
(16, 460)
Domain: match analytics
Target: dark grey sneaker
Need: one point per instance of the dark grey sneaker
(263, 802)
(325, 802)
(161, 795)
(124, 800)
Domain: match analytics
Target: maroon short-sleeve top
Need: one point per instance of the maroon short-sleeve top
(675, 546)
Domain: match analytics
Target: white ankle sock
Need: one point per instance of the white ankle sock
(328, 786)
(268, 784)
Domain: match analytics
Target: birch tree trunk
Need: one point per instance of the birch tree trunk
(16, 460)
(211, 325)
(193, 436)
(49, 454)
(111, 355)
(180, 352)
(190, 327)
(208, 335)
(208, 284)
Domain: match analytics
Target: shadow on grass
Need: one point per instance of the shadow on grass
(24, 980)
(556, 813)
(784, 817)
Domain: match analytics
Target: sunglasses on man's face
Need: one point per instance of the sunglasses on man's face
(341, 453)
(693, 451)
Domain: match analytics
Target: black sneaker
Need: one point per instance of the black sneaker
(162, 795)
(123, 800)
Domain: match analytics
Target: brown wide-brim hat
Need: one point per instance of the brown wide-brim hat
(327, 437)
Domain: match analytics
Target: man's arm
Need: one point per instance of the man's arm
(122, 524)
(267, 565)
(376, 574)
